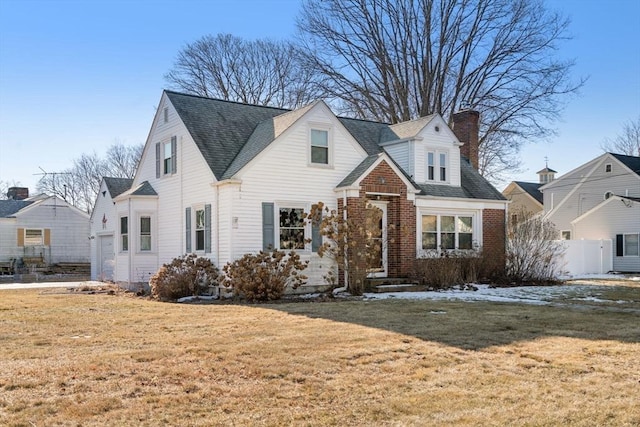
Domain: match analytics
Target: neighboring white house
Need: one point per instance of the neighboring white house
(43, 230)
(222, 179)
(102, 222)
(600, 200)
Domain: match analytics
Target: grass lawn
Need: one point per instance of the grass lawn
(77, 359)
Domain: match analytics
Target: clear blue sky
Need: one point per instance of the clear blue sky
(78, 76)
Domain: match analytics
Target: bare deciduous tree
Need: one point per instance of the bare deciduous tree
(4, 188)
(397, 60)
(79, 185)
(627, 142)
(261, 72)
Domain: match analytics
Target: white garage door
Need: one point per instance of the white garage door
(107, 256)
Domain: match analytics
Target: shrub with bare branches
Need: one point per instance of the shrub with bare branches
(533, 254)
(183, 276)
(264, 276)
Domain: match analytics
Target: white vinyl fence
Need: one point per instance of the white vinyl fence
(588, 256)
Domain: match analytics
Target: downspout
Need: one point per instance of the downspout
(344, 217)
(130, 241)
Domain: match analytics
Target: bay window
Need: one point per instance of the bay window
(447, 232)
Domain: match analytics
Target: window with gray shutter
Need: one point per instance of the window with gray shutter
(158, 160)
(174, 151)
(207, 229)
(268, 227)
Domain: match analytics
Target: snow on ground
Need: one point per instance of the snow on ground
(537, 295)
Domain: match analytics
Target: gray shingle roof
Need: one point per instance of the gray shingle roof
(144, 189)
(230, 134)
(117, 186)
(8, 208)
(532, 189)
(632, 162)
(473, 186)
(219, 128)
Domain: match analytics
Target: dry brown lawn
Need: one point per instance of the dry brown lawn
(75, 359)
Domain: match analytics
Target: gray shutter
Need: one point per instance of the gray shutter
(207, 229)
(619, 245)
(268, 227)
(158, 160)
(316, 237)
(187, 223)
(174, 154)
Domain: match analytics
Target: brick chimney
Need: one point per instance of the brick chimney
(466, 126)
(18, 193)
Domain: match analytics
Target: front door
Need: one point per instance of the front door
(378, 241)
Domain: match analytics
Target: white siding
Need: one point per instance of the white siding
(190, 186)
(584, 188)
(281, 174)
(69, 229)
(103, 209)
(610, 219)
(401, 153)
(438, 141)
(8, 239)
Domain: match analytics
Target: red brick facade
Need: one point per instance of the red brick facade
(383, 184)
(494, 235)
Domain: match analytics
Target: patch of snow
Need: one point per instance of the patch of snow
(197, 298)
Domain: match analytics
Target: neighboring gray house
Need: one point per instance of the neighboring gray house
(600, 200)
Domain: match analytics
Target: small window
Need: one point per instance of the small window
(319, 147)
(607, 195)
(124, 233)
(291, 228)
(631, 245)
(431, 166)
(145, 233)
(565, 235)
(200, 230)
(167, 159)
(166, 114)
(443, 167)
(607, 167)
(33, 237)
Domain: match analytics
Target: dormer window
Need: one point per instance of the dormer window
(437, 164)
(320, 147)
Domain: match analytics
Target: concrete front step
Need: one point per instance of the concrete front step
(392, 284)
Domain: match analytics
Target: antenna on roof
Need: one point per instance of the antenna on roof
(546, 162)
(53, 181)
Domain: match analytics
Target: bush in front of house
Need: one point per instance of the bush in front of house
(534, 255)
(264, 276)
(448, 269)
(184, 276)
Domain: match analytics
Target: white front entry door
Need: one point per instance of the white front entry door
(106, 258)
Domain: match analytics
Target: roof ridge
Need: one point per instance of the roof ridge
(227, 101)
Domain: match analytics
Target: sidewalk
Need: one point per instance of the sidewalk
(39, 285)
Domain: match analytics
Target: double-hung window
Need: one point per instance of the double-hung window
(292, 227)
(145, 233)
(437, 166)
(319, 147)
(447, 232)
(166, 157)
(200, 230)
(124, 233)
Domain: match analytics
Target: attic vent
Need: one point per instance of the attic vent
(607, 167)
(437, 128)
(166, 114)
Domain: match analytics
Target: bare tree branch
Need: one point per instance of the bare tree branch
(627, 141)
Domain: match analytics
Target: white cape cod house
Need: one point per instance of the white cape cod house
(222, 179)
